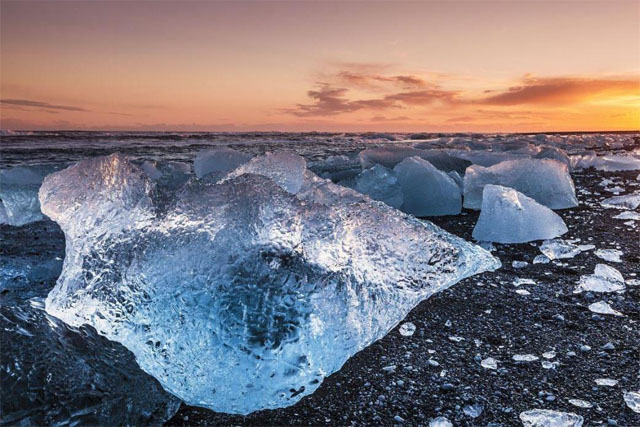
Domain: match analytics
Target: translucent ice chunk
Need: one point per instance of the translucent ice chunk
(389, 157)
(549, 418)
(151, 170)
(555, 154)
(606, 382)
(628, 201)
(546, 181)
(426, 190)
(604, 279)
(440, 422)
(508, 216)
(632, 399)
(562, 249)
(628, 215)
(580, 403)
(602, 307)
(407, 329)
(489, 363)
(609, 162)
(19, 194)
(242, 296)
(380, 184)
(611, 255)
(525, 357)
(218, 161)
(57, 375)
(285, 169)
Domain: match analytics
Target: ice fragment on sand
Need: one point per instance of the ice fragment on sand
(473, 411)
(242, 296)
(628, 201)
(602, 307)
(519, 264)
(580, 403)
(628, 215)
(407, 329)
(440, 422)
(546, 181)
(520, 281)
(611, 255)
(489, 363)
(525, 357)
(632, 399)
(426, 190)
(604, 279)
(218, 161)
(508, 216)
(610, 162)
(541, 259)
(606, 382)
(549, 418)
(562, 249)
(380, 184)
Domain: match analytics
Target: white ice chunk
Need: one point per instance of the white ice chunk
(628, 201)
(562, 249)
(632, 399)
(389, 157)
(554, 153)
(440, 422)
(427, 191)
(609, 162)
(407, 329)
(611, 255)
(604, 279)
(219, 160)
(549, 418)
(285, 168)
(489, 363)
(19, 194)
(603, 307)
(525, 357)
(241, 296)
(634, 216)
(380, 184)
(606, 382)
(508, 216)
(546, 181)
(580, 403)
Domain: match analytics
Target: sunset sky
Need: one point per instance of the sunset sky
(301, 66)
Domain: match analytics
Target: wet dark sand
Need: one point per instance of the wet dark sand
(487, 308)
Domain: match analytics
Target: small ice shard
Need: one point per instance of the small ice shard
(562, 249)
(245, 294)
(426, 190)
(549, 365)
(218, 161)
(508, 216)
(473, 411)
(407, 329)
(286, 169)
(604, 279)
(525, 357)
(603, 308)
(628, 215)
(440, 422)
(523, 292)
(455, 339)
(611, 255)
(381, 184)
(628, 201)
(632, 399)
(546, 181)
(19, 194)
(580, 403)
(519, 264)
(606, 382)
(489, 363)
(549, 354)
(541, 259)
(520, 281)
(549, 418)
(151, 170)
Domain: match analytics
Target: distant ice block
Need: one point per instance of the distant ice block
(562, 249)
(634, 216)
(508, 216)
(389, 157)
(242, 295)
(610, 162)
(19, 194)
(554, 153)
(549, 418)
(628, 201)
(546, 181)
(218, 160)
(427, 191)
(380, 184)
(604, 279)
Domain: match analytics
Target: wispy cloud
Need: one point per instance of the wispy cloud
(39, 104)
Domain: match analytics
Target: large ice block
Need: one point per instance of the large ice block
(218, 161)
(381, 184)
(241, 295)
(508, 216)
(546, 181)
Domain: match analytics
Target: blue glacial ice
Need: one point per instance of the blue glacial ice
(19, 194)
(245, 294)
(508, 216)
(546, 181)
(381, 184)
(218, 161)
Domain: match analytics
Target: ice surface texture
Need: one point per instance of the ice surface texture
(241, 295)
(19, 193)
(218, 160)
(381, 184)
(549, 418)
(546, 181)
(508, 216)
(52, 374)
